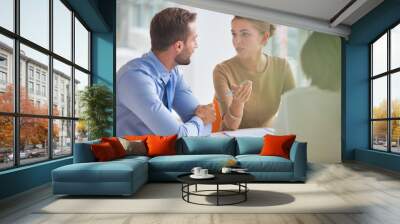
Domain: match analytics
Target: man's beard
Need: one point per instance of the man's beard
(183, 58)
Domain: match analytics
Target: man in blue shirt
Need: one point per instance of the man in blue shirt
(150, 88)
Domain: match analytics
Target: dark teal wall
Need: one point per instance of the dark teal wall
(103, 46)
(356, 99)
(24, 178)
(99, 16)
(103, 51)
(102, 58)
(379, 159)
(356, 85)
(89, 11)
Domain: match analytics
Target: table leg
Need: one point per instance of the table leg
(245, 193)
(196, 188)
(217, 194)
(188, 189)
(182, 188)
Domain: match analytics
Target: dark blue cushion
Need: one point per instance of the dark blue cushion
(249, 145)
(206, 145)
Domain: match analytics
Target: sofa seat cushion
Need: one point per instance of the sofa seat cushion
(257, 163)
(185, 163)
(112, 171)
(133, 158)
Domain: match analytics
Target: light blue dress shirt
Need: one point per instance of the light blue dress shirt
(147, 94)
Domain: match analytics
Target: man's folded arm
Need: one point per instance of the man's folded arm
(138, 93)
(185, 104)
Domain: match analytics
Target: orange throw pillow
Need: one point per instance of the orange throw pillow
(116, 145)
(103, 152)
(161, 145)
(275, 145)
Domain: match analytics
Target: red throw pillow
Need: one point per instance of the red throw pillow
(161, 145)
(103, 152)
(116, 145)
(275, 145)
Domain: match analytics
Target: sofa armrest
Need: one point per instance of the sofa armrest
(298, 155)
(83, 152)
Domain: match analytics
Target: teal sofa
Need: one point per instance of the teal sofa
(125, 176)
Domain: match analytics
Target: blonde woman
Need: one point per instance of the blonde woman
(249, 85)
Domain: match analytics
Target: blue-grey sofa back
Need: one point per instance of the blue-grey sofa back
(206, 145)
(248, 145)
(83, 152)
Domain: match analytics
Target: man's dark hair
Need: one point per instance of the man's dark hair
(169, 26)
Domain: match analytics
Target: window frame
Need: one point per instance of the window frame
(16, 115)
(3, 71)
(388, 74)
(3, 74)
(5, 58)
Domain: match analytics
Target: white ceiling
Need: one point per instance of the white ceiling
(320, 9)
(314, 15)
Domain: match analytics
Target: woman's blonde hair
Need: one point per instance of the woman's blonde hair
(261, 26)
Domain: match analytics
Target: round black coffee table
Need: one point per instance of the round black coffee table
(238, 179)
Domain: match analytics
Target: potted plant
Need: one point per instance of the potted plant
(96, 102)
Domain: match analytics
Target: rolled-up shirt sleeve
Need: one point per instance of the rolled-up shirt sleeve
(185, 105)
(137, 92)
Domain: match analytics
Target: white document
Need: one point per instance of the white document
(247, 132)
